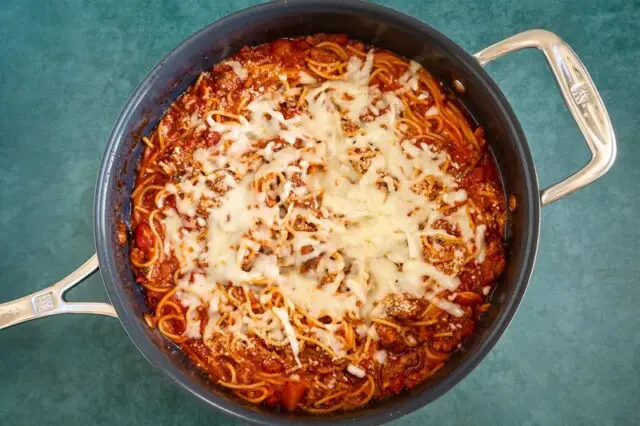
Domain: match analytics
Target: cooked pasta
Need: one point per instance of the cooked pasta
(317, 224)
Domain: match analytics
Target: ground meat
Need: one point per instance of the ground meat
(349, 127)
(219, 184)
(328, 278)
(390, 338)
(322, 55)
(404, 307)
(301, 224)
(494, 262)
(210, 138)
(416, 375)
(270, 364)
(446, 344)
(205, 204)
(430, 187)
(247, 261)
(361, 159)
(225, 80)
(447, 335)
(289, 111)
(310, 265)
(308, 201)
(442, 252)
(394, 371)
(386, 182)
(162, 275)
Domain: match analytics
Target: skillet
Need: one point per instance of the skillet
(384, 28)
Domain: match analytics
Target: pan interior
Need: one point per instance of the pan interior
(373, 25)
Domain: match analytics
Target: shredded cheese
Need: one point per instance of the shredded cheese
(265, 223)
(237, 68)
(356, 371)
(380, 356)
(288, 329)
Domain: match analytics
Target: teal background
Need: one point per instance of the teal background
(572, 353)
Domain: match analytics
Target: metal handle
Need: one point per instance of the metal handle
(582, 99)
(50, 301)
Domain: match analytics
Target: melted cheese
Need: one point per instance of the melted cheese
(330, 340)
(365, 236)
(356, 371)
(238, 69)
(380, 356)
(283, 316)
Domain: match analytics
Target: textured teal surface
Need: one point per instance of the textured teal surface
(572, 354)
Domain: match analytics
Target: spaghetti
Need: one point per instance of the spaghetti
(316, 224)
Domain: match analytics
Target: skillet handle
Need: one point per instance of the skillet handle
(582, 99)
(50, 301)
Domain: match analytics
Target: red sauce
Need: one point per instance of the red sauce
(414, 352)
